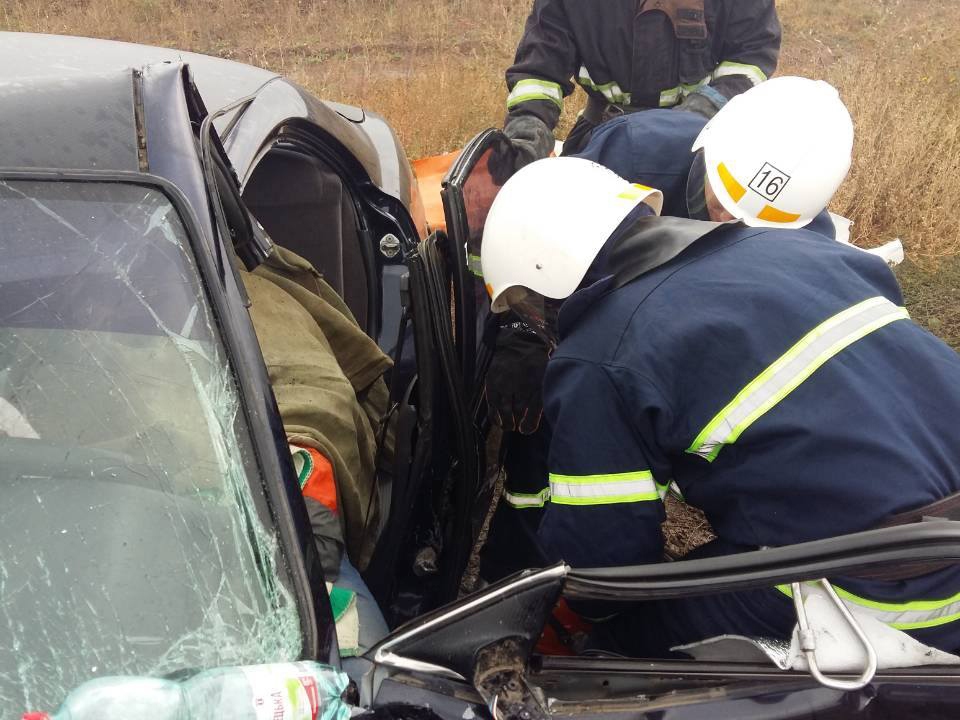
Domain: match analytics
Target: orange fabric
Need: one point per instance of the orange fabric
(320, 484)
(561, 642)
(430, 172)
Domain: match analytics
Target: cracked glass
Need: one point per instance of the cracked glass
(129, 538)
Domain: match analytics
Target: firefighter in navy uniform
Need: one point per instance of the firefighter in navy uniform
(628, 55)
(631, 55)
(771, 373)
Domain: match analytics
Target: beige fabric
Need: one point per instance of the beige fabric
(327, 377)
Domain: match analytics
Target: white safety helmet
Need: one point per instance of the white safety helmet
(776, 154)
(547, 225)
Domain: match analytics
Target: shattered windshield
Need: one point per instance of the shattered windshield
(129, 540)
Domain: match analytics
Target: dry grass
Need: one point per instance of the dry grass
(434, 68)
(896, 65)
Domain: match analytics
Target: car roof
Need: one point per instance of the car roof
(46, 78)
(27, 59)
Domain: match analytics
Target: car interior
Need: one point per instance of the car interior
(305, 207)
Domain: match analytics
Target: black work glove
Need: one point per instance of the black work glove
(530, 140)
(700, 103)
(515, 378)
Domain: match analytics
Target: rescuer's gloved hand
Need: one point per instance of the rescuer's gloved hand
(530, 140)
(515, 377)
(705, 100)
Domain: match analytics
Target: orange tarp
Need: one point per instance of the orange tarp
(430, 172)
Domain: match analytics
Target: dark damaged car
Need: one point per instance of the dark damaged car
(156, 527)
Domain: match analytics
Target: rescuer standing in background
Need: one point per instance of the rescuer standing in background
(633, 55)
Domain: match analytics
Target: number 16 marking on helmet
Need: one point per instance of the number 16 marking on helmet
(769, 182)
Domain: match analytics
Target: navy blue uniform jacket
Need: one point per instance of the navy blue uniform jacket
(776, 378)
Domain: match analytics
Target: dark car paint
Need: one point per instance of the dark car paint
(600, 687)
(135, 108)
(102, 135)
(907, 546)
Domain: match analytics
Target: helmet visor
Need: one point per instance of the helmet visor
(538, 312)
(696, 188)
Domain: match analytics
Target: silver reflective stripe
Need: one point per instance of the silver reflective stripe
(791, 369)
(755, 74)
(527, 500)
(912, 615)
(603, 489)
(531, 89)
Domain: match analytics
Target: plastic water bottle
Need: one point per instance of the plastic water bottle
(279, 691)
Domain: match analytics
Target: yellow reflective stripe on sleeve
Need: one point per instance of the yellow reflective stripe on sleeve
(527, 500)
(626, 487)
(754, 73)
(532, 89)
(912, 615)
(791, 369)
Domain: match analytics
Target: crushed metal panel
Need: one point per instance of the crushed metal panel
(282, 102)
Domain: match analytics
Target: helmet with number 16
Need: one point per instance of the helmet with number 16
(776, 154)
